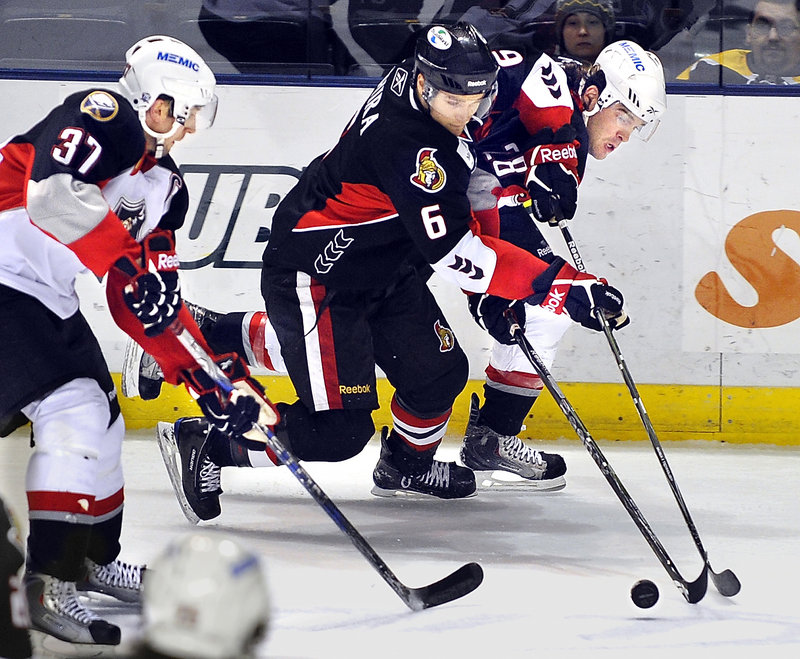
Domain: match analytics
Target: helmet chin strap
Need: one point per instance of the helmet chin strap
(160, 137)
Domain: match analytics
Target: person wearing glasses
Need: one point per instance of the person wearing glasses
(773, 35)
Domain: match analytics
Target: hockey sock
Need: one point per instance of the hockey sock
(505, 412)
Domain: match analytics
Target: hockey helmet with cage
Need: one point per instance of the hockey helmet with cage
(634, 77)
(457, 60)
(205, 597)
(158, 66)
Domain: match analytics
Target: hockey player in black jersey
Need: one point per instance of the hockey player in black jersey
(533, 150)
(91, 188)
(344, 282)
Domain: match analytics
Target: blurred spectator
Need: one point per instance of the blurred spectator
(14, 620)
(583, 28)
(773, 57)
(205, 597)
(252, 34)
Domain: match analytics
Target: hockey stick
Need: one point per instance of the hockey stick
(461, 582)
(693, 591)
(726, 582)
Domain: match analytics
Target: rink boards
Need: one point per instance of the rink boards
(699, 228)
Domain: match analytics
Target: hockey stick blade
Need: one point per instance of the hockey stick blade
(461, 582)
(692, 591)
(726, 582)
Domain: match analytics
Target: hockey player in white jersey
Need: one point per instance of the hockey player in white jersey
(532, 151)
(91, 187)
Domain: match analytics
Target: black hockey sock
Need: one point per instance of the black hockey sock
(225, 335)
(57, 548)
(504, 412)
(104, 540)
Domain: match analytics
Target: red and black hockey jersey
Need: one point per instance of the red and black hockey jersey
(76, 192)
(393, 191)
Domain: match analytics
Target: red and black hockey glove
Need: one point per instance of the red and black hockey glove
(488, 311)
(552, 179)
(561, 288)
(234, 414)
(153, 291)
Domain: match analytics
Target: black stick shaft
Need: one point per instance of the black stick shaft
(726, 581)
(461, 582)
(693, 591)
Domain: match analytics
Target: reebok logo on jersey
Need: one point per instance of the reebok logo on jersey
(565, 153)
(100, 106)
(399, 81)
(429, 175)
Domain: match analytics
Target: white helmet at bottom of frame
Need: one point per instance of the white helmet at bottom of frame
(205, 597)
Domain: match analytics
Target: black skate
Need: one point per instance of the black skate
(502, 461)
(445, 480)
(194, 477)
(141, 374)
(55, 610)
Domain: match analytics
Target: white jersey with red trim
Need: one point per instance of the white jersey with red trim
(76, 192)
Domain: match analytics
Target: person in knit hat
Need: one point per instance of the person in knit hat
(583, 28)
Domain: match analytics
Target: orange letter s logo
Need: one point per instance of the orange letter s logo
(768, 269)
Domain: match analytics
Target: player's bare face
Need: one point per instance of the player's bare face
(454, 111)
(609, 128)
(774, 37)
(584, 35)
(163, 122)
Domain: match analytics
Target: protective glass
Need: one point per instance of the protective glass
(761, 27)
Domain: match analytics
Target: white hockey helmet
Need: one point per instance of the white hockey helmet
(205, 597)
(161, 65)
(634, 77)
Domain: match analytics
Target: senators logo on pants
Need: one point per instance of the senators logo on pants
(447, 339)
(429, 175)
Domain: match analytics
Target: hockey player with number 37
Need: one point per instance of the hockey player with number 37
(345, 284)
(532, 151)
(91, 187)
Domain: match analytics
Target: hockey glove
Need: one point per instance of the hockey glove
(488, 310)
(234, 414)
(552, 179)
(561, 288)
(153, 291)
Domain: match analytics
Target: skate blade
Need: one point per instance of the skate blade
(49, 647)
(130, 369)
(165, 433)
(412, 494)
(506, 481)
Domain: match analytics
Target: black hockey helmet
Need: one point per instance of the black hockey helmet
(456, 59)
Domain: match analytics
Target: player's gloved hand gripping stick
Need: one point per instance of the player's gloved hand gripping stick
(461, 582)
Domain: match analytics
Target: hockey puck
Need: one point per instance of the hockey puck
(644, 593)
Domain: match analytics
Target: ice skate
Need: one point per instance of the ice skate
(56, 610)
(141, 374)
(117, 579)
(445, 480)
(195, 479)
(502, 461)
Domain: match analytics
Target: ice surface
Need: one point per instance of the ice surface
(558, 566)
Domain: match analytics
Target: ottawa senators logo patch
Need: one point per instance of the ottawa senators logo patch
(100, 106)
(447, 340)
(429, 175)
